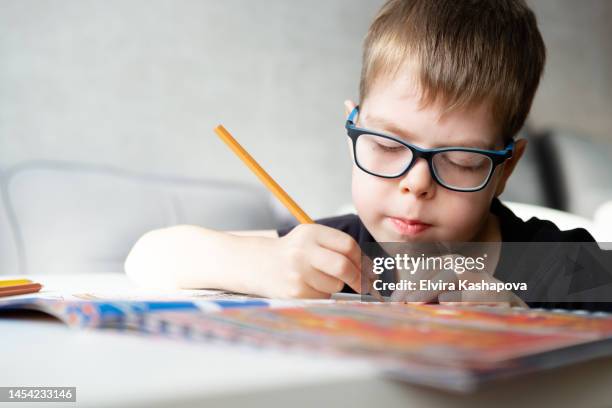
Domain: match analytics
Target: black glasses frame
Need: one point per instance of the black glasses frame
(497, 156)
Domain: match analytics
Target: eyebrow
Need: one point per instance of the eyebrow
(386, 126)
(390, 127)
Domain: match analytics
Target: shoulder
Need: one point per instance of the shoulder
(348, 223)
(514, 229)
(553, 271)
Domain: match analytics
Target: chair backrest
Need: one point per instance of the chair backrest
(72, 217)
(563, 220)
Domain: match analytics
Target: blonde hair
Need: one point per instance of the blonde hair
(466, 52)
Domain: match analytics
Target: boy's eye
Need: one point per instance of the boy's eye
(466, 161)
(387, 146)
(390, 148)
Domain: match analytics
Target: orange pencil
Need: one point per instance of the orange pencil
(20, 289)
(265, 178)
(272, 185)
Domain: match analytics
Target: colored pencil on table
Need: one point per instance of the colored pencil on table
(20, 289)
(13, 282)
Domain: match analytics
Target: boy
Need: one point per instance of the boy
(458, 76)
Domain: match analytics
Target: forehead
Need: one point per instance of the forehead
(394, 105)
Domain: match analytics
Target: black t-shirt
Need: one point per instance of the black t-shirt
(513, 229)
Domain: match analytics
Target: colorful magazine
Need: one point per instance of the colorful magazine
(450, 347)
(455, 348)
(88, 311)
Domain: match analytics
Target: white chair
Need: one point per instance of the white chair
(62, 217)
(564, 220)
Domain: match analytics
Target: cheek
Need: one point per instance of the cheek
(464, 214)
(368, 192)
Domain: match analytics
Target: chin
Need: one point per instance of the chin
(386, 235)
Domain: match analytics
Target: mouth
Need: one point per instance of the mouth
(410, 227)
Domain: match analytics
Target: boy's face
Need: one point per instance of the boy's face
(413, 207)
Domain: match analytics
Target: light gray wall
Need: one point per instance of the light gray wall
(576, 91)
(140, 84)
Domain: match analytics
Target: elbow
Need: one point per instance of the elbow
(148, 262)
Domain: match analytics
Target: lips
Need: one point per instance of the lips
(406, 226)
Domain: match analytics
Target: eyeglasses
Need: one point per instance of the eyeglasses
(456, 168)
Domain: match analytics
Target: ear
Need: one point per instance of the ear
(348, 107)
(508, 167)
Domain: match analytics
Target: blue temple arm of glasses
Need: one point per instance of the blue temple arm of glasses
(509, 147)
(354, 112)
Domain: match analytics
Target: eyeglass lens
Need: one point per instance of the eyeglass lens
(456, 169)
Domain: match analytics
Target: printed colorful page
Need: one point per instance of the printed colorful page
(445, 346)
(122, 311)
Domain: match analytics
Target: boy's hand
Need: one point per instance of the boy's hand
(314, 261)
(456, 297)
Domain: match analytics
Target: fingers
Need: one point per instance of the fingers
(340, 242)
(305, 291)
(402, 296)
(473, 298)
(323, 258)
(309, 283)
(338, 266)
(323, 282)
(368, 277)
(416, 296)
(503, 298)
(442, 281)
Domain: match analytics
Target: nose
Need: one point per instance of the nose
(418, 180)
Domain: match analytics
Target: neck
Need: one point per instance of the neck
(490, 231)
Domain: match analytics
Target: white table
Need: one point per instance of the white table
(114, 369)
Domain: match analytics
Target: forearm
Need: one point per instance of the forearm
(193, 257)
